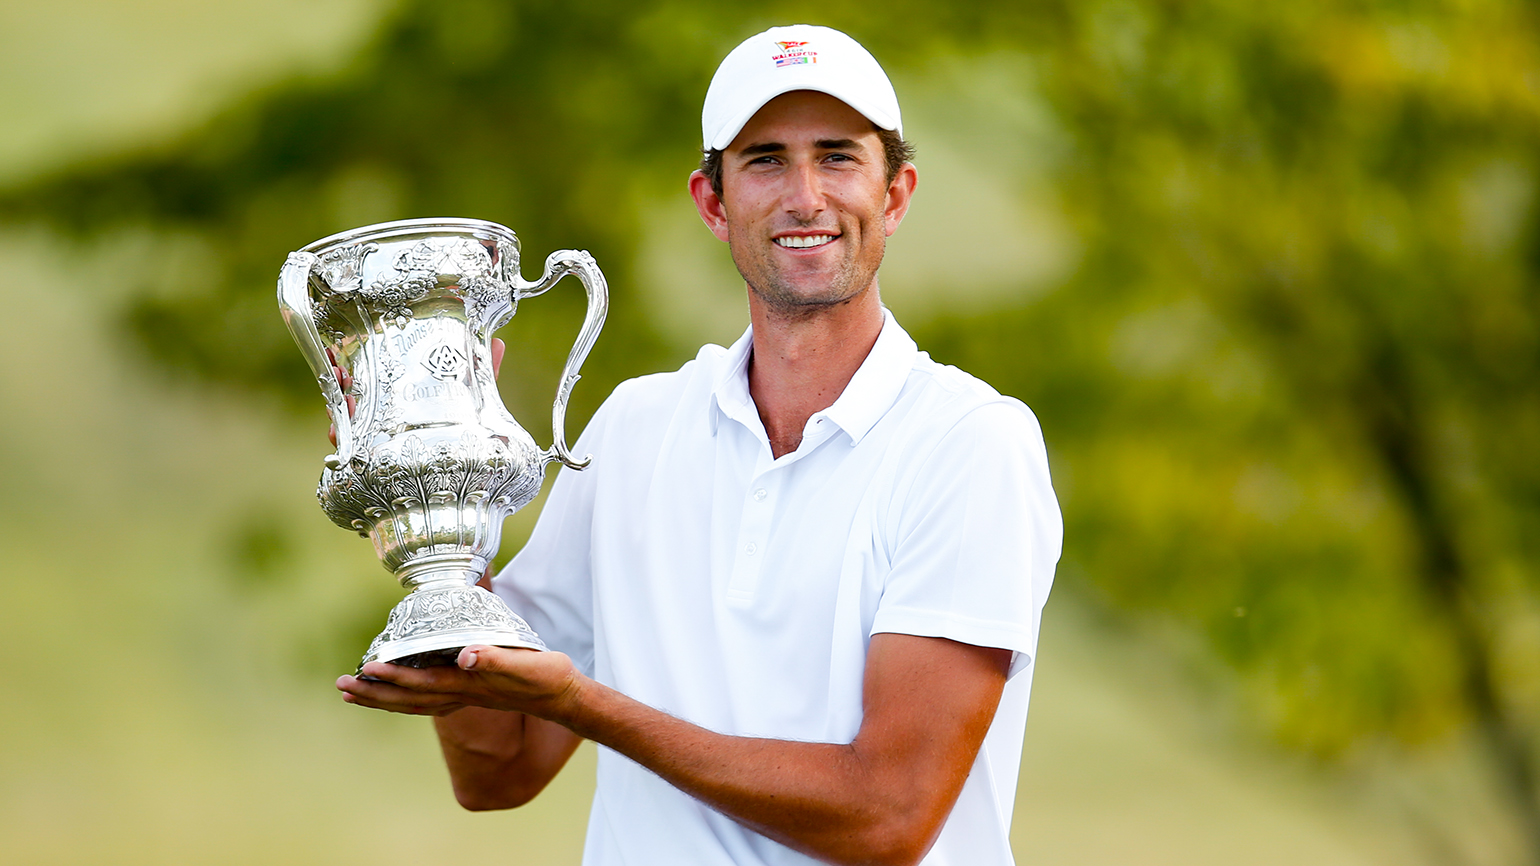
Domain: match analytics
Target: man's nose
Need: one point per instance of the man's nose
(804, 195)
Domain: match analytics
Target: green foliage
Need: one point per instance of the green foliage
(1302, 357)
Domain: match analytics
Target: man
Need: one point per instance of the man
(797, 593)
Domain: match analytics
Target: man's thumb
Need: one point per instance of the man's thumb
(490, 659)
(475, 658)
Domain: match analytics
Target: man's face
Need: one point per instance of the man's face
(806, 207)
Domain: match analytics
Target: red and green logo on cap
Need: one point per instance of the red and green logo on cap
(794, 53)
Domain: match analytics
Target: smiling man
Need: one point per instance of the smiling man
(797, 595)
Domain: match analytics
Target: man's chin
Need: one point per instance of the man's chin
(805, 302)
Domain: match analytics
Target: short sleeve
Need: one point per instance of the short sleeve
(550, 581)
(976, 537)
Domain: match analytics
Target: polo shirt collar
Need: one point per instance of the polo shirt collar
(730, 391)
(876, 385)
(871, 392)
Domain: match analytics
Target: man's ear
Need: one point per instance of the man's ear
(900, 193)
(709, 205)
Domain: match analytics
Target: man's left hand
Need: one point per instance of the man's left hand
(521, 680)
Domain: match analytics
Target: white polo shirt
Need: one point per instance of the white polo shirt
(689, 569)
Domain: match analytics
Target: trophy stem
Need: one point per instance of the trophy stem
(446, 612)
(442, 571)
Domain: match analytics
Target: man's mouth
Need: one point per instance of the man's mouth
(804, 241)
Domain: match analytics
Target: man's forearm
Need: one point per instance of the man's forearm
(822, 799)
(881, 798)
(499, 759)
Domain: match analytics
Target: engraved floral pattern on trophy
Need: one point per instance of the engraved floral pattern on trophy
(428, 462)
(416, 499)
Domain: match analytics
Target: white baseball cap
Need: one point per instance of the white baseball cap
(795, 57)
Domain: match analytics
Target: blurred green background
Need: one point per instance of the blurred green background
(1268, 273)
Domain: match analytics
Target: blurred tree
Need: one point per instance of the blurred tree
(1292, 393)
(1303, 356)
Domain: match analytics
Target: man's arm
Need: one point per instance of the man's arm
(882, 798)
(499, 759)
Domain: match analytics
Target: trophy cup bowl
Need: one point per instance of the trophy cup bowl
(428, 461)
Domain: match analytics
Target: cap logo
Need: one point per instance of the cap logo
(793, 54)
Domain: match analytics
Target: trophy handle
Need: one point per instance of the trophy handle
(582, 265)
(294, 302)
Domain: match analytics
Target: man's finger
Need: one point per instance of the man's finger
(509, 661)
(498, 348)
(440, 679)
(404, 709)
(346, 381)
(381, 694)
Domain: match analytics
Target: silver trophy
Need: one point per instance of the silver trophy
(428, 461)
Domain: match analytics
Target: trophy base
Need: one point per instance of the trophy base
(430, 627)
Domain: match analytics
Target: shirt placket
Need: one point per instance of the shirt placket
(759, 499)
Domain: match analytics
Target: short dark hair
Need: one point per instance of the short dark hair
(895, 152)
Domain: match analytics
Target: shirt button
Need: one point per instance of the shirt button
(760, 494)
(751, 548)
